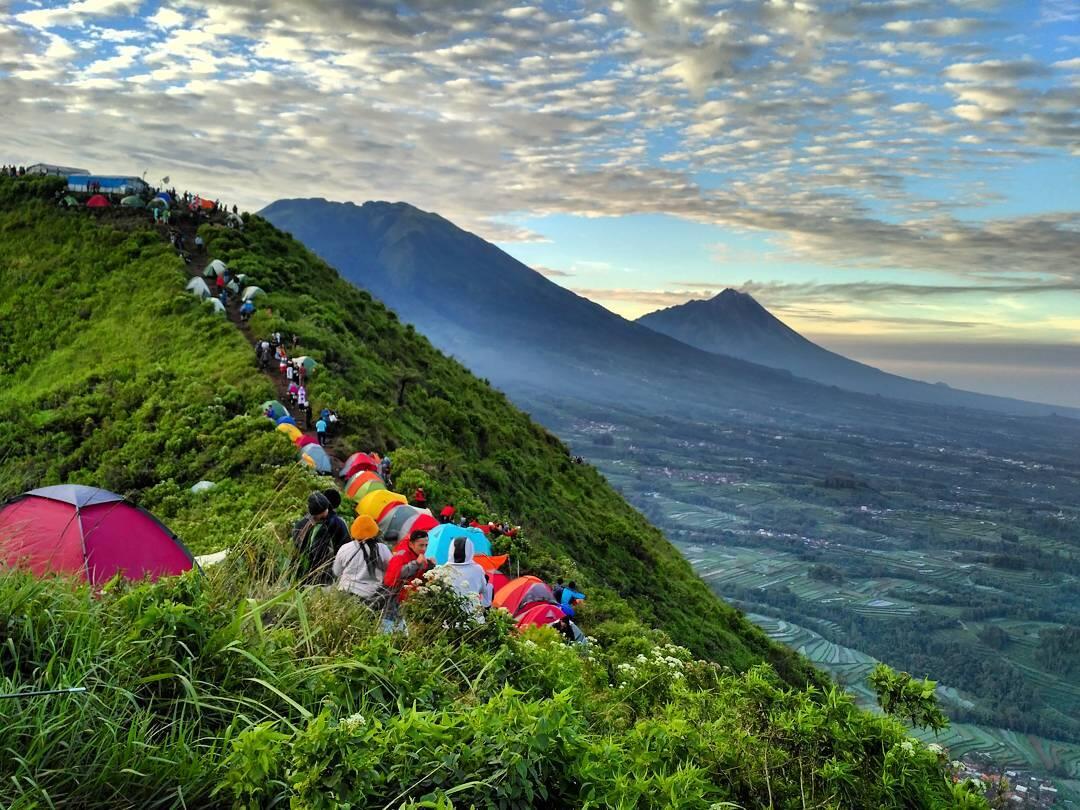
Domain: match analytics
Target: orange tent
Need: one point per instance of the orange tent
(522, 591)
(358, 481)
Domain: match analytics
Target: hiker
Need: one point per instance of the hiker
(360, 564)
(199, 244)
(568, 597)
(317, 536)
(234, 210)
(247, 310)
(293, 392)
(307, 415)
(333, 420)
(290, 372)
(447, 514)
(224, 297)
(384, 469)
(320, 431)
(466, 576)
(409, 564)
(295, 340)
(301, 397)
(557, 590)
(419, 498)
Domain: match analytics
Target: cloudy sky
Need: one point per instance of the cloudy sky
(898, 179)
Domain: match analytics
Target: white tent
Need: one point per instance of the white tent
(251, 292)
(198, 288)
(216, 305)
(218, 266)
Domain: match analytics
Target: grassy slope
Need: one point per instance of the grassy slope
(120, 379)
(206, 691)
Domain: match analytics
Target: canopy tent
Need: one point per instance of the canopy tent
(69, 201)
(539, 615)
(292, 431)
(202, 486)
(216, 305)
(374, 503)
(277, 410)
(359, 462)
(251, 292)
(315, 456)
(441, 540)
(309, 365)
(522, 591)
(352, 488)
(198, 287)
(89, 532)
(133, 201)
(285, 420)
(98, 201)
(304, 441)
(424, 521)
(158, 202)
(218, 267)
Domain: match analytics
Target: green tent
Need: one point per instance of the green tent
(157, 202)
(251, 292)
(134, 201)
(69, 202)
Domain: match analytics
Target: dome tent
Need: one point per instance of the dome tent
(359, 462)
(133, 201)
(366, 488)
(250, 292)
(292, 431)
(441, 540)
(522, 591)
(89, 532)
(374, 503)
(314, 455)
(352, 488)
(539, 615)
(98, 201)
(277, 410)
(197, 287)
(218, 267)
(158, 202)
(310, 365)
(215, 305)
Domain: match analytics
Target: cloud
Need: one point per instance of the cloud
(551, 272)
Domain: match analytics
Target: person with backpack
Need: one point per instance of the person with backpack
(320, 431)
(361, 563)
(568, 597)
(301, 397)
(317, 537)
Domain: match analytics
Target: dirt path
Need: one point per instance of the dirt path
(199, 259)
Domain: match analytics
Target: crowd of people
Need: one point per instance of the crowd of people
(353, 559)
(12, 171)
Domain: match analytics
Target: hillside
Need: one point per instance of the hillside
(531, 336)
(238, 688)
(733, 323)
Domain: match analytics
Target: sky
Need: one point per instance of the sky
(897, 179)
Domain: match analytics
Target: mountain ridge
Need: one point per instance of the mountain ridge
(517, 327)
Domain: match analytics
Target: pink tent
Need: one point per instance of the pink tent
(89, 532)
(540, 614)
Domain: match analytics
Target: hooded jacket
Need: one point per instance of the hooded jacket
(467, 576)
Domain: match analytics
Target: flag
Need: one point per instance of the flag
(164, 179)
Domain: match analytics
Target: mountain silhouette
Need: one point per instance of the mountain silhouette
(733, 323)
(529, 335)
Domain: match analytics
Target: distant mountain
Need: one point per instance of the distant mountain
(733, 323)
(511, 324)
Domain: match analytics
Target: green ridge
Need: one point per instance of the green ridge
(114, 376)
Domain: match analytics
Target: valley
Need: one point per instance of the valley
(953, 553)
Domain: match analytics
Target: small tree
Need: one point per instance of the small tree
(907, 698)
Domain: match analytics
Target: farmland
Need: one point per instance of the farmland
(947, 548)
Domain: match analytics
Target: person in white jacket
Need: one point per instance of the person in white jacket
(465, 575)
(361, 563)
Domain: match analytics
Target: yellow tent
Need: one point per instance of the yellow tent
(375, 502)
(292, 431)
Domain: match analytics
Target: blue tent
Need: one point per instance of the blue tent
(317, 457)
(286, 420)
(441, 540)
(164, 195)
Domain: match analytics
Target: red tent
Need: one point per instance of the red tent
(358, 462)
(89, 532)
(98, 201)
(520, 592)
(303, 441)
(497, 580)
(540, 614)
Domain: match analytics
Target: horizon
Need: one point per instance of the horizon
(896, 181)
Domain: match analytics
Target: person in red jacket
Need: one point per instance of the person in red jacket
(419, 498)
(447, 514)
(408, 564)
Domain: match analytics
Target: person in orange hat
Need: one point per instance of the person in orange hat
(361, 563)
